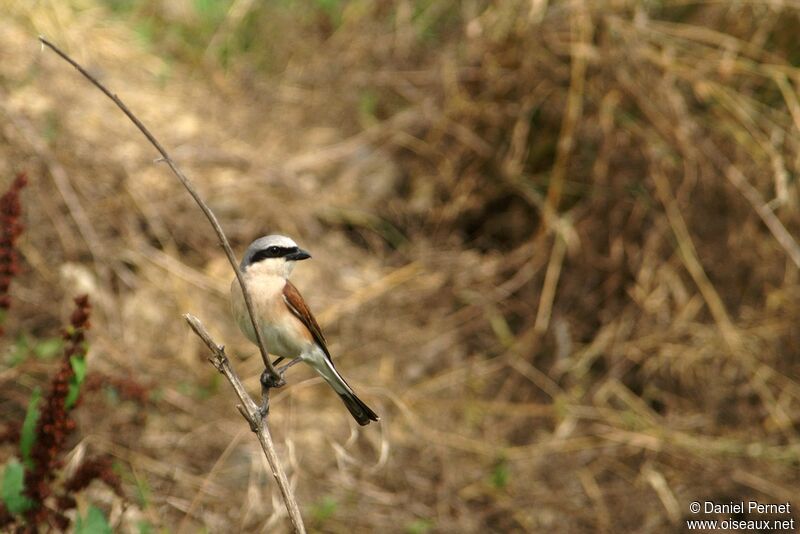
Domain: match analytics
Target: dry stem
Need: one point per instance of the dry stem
(254, 416)
(275, 377)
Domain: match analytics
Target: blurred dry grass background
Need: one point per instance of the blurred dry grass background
(552, 247)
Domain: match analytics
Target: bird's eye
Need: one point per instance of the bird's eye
(273, 249)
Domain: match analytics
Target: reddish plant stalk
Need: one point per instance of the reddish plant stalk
(10, 230)
(55, 424)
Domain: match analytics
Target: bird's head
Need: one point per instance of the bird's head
(273, 254)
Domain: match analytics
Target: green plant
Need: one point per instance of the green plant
(34, 492)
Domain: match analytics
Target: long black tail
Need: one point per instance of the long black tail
(360, 411)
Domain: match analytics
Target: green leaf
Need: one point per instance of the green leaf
(419, 526)
(501, 474)
(143, 492)
(94, 523)
(211, 11)
(329, 6)
(324, 509)
(19, 351)
(13, 486)
(367, 106)
(79, 367)
(48, 348)
(28, 434)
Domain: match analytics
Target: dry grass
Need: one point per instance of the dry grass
(553, 248)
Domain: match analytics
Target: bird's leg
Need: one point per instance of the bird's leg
(283, 369)
(266, 384)
(278, 360)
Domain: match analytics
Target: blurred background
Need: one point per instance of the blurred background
(554, 248)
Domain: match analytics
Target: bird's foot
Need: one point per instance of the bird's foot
(282, 370)
(268, 382)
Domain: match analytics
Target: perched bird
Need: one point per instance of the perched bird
(287, 325)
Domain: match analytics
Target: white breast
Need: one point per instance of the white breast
(278, 326)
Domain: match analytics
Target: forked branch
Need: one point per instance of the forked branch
(272, 373)
(255, 416)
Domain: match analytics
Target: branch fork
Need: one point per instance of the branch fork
(252, 412)
(255, 416)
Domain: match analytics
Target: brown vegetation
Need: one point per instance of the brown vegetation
(10, 230)
(553, 246)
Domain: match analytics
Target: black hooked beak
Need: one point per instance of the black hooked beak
(300, 254)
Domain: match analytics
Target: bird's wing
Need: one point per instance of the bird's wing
(296, 304)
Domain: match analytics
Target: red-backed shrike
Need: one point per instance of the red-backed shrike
(287, 325)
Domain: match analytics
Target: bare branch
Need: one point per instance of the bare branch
(275, 377)
(254, 416)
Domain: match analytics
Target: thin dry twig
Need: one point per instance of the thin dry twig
(62, 181)
(254, 416)
(761, 207)
(276, 380)
(550, 284)
(691, 261)
(581, 28)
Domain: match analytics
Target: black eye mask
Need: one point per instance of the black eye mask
(273, 252)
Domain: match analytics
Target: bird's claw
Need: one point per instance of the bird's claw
(267, 381)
